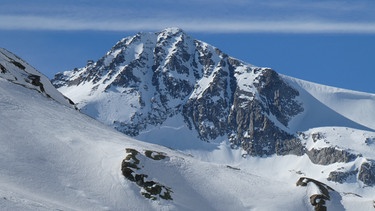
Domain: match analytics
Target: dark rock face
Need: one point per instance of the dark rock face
(250, 119)
(18, 64)
(291, 146)
(329, 155)
(208, 113)
(317, 136)
(341, 176)
(130, 167)
(3, 69)
(278, 97)
(367, 173)
(35, 80)
(244, 118)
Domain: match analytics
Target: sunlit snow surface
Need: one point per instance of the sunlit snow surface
(52, 157)
(331, 106)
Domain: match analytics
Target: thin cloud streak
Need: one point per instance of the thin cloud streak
(206, 26)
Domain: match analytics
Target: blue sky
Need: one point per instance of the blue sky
(328, 42)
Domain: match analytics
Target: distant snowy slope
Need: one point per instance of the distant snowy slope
(13, 68)
(326, 106)
(347, 108)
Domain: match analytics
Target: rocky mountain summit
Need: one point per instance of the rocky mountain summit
(161, 75)
(166, 87)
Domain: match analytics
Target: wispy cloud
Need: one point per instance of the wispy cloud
(270, 16)
(48, 23)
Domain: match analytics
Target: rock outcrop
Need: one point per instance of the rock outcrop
(131, 167)
(342, 176)
(367, 173)
(329, 155)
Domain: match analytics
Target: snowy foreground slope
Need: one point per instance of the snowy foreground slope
(54, 158)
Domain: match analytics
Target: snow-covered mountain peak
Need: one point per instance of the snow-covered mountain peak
(157, 76)
(172, 31)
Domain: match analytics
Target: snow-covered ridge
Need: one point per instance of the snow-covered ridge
(16, 70)
(332, 106)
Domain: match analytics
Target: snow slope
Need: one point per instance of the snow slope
(331, 106)
(54, 158)
(20, 72)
